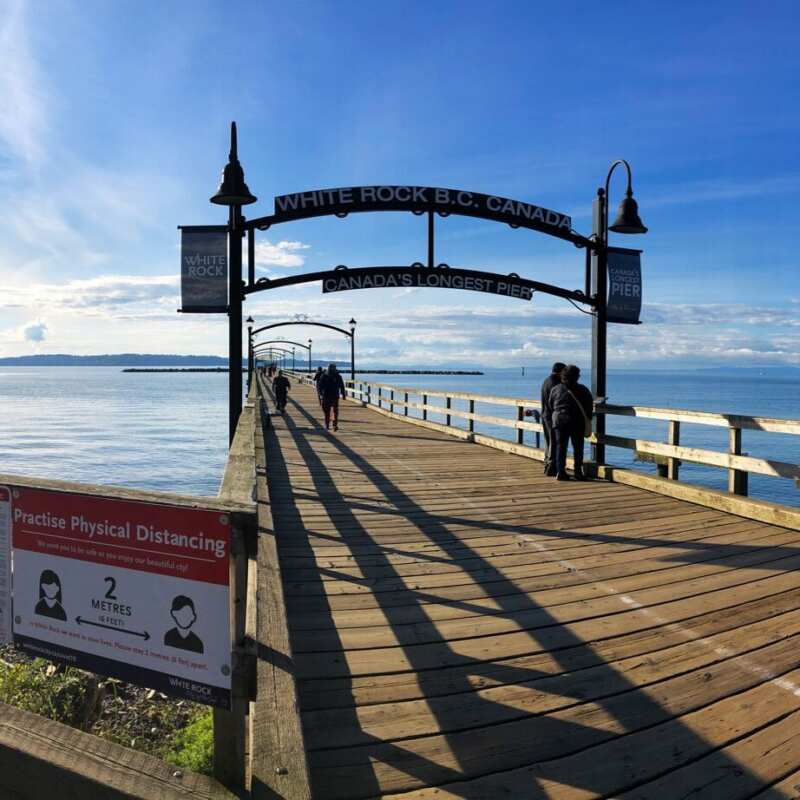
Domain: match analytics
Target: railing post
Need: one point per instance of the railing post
(448, 404)
(471, 411)
(369, 393)
(520, 431)
(424, 403)
(380, 395)
(674, 438)
(391, 400)
(405, 407)
(737, 479)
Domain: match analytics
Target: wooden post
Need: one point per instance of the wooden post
(448, 404)
(737, 479)
(520, 418)
(674, 438)
(230, 727)
(424, 403)
(471, 411)
(405, 400)
(369, 393)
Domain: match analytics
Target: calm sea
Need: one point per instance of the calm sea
(168, 431)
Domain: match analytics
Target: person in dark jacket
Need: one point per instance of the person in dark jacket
(317, 376)
(331, 387)
(553, 379)
(571, 404)
(281, 386)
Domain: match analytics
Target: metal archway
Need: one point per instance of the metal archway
(419, 200)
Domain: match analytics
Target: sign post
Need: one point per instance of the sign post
(124, 588)
(5, 565)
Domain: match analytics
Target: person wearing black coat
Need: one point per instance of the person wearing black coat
(281, 386)
(330, 388)
(550, 381)
(571, 404)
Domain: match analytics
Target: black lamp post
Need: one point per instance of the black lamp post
(352, 325)
(249, 321)
(627, 221)
(233, 192)
(309, 355)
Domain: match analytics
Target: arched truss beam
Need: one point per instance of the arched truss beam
(282, 282)
(256, 345)
(355, 272)
(281, 350)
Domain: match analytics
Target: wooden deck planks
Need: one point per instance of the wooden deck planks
(462, 626)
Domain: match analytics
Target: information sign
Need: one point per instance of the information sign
(624, 285)
(204, 269)
(133, 590)
(5, 565)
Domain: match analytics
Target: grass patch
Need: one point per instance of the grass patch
(193, 746)
(176, 731)
(61, 694)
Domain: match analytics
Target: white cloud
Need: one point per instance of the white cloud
(105, 295)
(35, 332)
(282, 254)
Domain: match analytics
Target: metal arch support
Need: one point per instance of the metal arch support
(280, 341)
(577, 295)
(283, 282)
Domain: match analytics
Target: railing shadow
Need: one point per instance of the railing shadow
(481, 736)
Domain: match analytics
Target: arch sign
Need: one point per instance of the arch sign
(419, 199)
(418, 276)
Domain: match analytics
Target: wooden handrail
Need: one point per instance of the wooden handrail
(671, 453)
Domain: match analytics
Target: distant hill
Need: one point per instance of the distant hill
(118, 360)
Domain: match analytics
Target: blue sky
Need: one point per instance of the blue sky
(114, 124)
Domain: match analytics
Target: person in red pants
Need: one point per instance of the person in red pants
(331, 388)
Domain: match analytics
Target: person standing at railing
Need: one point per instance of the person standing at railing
(281, 386)
(552, 380)
(571, 406)
(330, 388)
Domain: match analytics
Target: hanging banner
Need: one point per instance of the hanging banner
(624, 285)
(132, 590)
(342, 280)
(204, 269)
(5, 565)
(343, 201)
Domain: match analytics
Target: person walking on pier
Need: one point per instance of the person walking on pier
(571, 406)
(317, 376)
(552, 380)
(281, 386)
(331, 387)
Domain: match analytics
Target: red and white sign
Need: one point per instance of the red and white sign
(5, 565)
(125, 588)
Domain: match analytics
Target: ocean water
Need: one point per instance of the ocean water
(164, 431)
(168, 431)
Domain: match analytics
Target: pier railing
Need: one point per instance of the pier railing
(458, 412)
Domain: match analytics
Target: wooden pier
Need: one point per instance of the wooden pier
(417, 612)
(460, 626)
